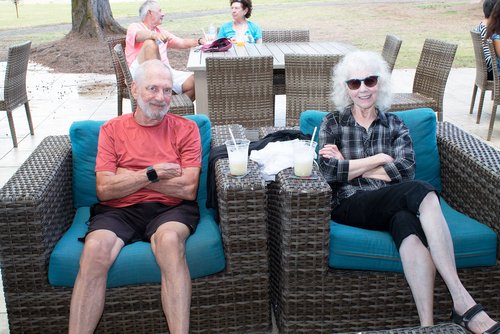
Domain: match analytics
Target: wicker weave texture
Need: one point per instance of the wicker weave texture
(240, 91)
(14, 93)
(308, 84)
(279, 36)
(220, 133)
(35, 210)
(496, 95)
(121, 86)
(276, 36)
(390, 50)
(179, 104)
(430, 79)
(309, 297)
(481, 81)
(436, 329)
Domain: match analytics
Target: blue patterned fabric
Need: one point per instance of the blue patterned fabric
(135, 263)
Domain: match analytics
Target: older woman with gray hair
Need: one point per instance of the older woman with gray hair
(367, 158)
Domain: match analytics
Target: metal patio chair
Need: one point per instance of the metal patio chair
(180, 104)
(308, 84)
(283, 36)
(430, 79)
(481, 81)
(14, 93)
(496, 91)
(390, 50)
(240, 91)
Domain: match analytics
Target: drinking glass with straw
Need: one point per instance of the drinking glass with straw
(237, 151)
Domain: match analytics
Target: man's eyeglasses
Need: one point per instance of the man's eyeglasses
(154, 90)
(370, 81)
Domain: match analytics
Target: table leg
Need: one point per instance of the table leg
(200, 84)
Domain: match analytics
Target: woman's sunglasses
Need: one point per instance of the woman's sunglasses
(370, 81)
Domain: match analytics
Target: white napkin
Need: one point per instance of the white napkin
(273, 158)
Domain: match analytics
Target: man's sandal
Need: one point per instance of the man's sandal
(464, 319)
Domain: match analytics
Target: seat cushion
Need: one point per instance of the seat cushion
(136, 263)
(354, 248)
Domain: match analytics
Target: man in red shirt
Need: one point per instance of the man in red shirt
(147, 172)
(147, 40)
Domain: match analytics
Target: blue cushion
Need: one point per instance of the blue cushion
(135, 264)
(84, 135)
(354, 248)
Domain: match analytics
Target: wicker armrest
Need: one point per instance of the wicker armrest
(35, 209)
(220, 133)
(242, 217)
(299, 211)
(470, 174)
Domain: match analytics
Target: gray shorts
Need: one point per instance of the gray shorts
(140, 221)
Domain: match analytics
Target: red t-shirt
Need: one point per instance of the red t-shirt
(124, 143)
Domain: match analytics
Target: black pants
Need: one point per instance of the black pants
(393, 209)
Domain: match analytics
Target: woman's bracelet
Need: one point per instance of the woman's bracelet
(199, 41)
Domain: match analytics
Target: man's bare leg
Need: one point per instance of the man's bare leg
(168, 244)
(87, 301)
(188, 88)
(148, 51)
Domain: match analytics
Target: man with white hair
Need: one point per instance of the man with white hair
(147, 40)
(147, 171)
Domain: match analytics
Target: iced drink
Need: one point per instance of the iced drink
(238, 156)
(303, 156)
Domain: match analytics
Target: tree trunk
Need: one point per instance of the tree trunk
(94, 19)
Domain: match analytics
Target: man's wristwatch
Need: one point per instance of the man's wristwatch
(151, 173)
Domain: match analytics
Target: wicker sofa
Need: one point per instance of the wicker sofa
(37, 207)
(309, 295)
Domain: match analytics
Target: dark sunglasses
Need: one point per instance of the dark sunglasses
(370, 81)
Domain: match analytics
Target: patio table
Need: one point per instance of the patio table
(197, 63)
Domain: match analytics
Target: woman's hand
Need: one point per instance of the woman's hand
(384, 158)
(330, 151)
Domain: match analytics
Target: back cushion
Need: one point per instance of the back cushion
(422, 125)
(84, 136)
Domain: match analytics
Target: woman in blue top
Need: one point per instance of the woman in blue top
(493, 30)
(240, 29)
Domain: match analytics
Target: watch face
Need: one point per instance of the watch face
(151, 173)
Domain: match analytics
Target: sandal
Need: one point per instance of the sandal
(495, 329)
(464, 319)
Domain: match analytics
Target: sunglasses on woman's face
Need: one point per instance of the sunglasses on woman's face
(370, 81)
